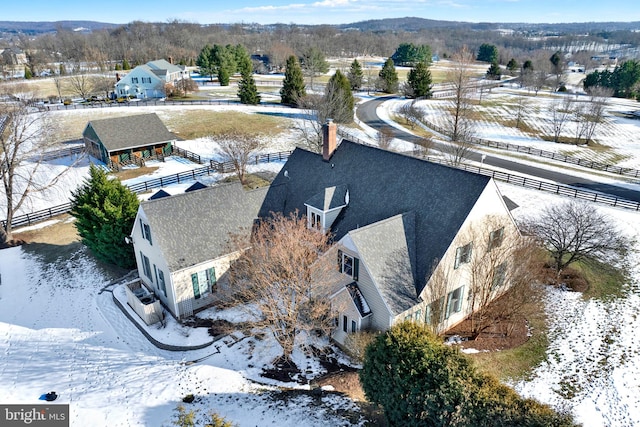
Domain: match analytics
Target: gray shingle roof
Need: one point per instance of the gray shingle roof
(194, 227)
(119, 133)
(381, 185)
(387, 248)
(164, 65)
(329, 198)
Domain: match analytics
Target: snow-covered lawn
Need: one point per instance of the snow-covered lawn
(593, 360)
(59, 332)
(618, 137)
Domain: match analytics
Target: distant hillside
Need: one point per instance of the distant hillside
(402, 24)
(49, 27)
(407, 24)
(412, 24)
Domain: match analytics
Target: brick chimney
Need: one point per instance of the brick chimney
(329, 139)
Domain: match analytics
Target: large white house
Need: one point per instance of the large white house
(397, 222)
(149, 80)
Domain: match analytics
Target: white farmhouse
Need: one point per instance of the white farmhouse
(149, 80)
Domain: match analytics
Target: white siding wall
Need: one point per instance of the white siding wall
(144, 89)
(184, 288)
(490, 203)
(330, 217)
(156, 259)
(345, 306)
(381, 316)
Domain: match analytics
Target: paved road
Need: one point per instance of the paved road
(366, 113)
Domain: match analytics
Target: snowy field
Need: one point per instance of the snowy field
(618, 137)
(59, 332)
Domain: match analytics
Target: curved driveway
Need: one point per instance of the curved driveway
(366, 113)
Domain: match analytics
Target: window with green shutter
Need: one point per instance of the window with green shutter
(196, 286)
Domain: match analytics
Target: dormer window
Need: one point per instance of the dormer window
(348, 264)
(316, 221)
(324, 207)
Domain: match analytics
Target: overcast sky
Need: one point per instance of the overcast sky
(323, 11)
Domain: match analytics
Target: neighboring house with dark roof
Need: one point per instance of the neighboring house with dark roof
(129, 139)
(393, 218)
(149, 80)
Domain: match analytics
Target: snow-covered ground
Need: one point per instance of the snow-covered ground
(59, 332)
(593, 361)
(618, 137)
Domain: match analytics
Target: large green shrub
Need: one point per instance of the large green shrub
(418, 380)
(105, 211)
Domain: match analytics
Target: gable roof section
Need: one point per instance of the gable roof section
(195, 186)
(119, 133)
(383, 184)
(387, 248)
(330, 198)
(194, 227)
(163, 64)
(159, 194)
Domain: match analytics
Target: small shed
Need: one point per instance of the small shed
(127, 140)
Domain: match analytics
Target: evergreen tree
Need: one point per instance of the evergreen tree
(293, 85)
(487, 53)
(419, 82)
(27, 73)
(494, 72)
(223, 62)
(247, 90)
(418, 380)
(204, 62)
(409, 54)
(355, 75)
(313, 64)
(125, 64)
(338, 98)
(388, 77)
(512, 66)
(105, 211)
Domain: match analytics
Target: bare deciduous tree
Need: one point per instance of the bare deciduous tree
(104, 85)
(520, 110)
(411, 114)
(238, 149)
(455, 153)
(24, 137)
(561, 111)
(459, 121)
(435, 294)
(285, 273)
(385, 138)
(594, 114)
(81, 84)
(575, 231)
(500, 259)
(184, 86)
(423, 147)
(310, 128)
